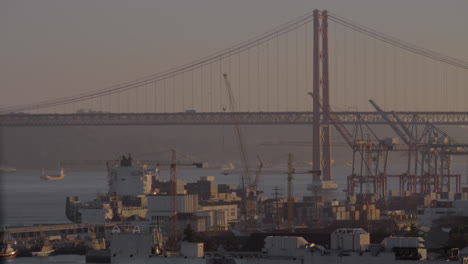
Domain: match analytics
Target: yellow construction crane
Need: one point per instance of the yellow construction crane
(290, 172)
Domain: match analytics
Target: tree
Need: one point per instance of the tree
(458, 237)
(189, 234)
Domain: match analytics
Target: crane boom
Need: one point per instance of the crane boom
(238, 131)
(338, 125)
(405, 137)
(248, 188)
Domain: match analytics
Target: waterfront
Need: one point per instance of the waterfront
(28, 200)
(61, 259)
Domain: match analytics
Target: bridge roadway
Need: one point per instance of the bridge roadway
(220, 118)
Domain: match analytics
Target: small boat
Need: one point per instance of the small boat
(46, 250)
(8, 253)
(53, 177)
(7, 169)
(231, 167)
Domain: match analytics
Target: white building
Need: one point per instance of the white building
(441, 208)
(218, 214)
(356, 239)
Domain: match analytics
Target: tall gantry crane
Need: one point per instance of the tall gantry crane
(247, 186)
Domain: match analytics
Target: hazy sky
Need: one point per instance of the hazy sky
(51, 49)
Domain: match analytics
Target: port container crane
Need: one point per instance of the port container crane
(433, 149)
(369, 152)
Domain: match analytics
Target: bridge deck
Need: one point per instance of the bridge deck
(221, 118)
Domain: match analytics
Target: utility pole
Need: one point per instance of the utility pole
(276, 193)
(173, 194)
(291, 171)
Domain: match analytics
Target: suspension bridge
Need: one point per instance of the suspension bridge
(271, 75)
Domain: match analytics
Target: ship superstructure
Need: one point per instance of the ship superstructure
(129, 183)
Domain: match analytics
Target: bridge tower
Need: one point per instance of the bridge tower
(321, 150)
(321, 133)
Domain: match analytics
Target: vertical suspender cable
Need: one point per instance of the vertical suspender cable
(165, 99)
(385, 81)
(182, 90)
(335, 65)
(297, 68)
(146, 98)
(345, 64)
(211, 87)
(193, 91)
(109, 97)
(277, 72)
(173, 94)
(239, 54)
(286, 71)
(404, 80)
(306, 63)
(364, 71)
(248, 80)
(375, 69)
(201, 88)
(267, 76)
(258, 78)
(355, 79)
(220, 84)
(394, 88)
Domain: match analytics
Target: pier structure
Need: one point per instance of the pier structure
(61, 231)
